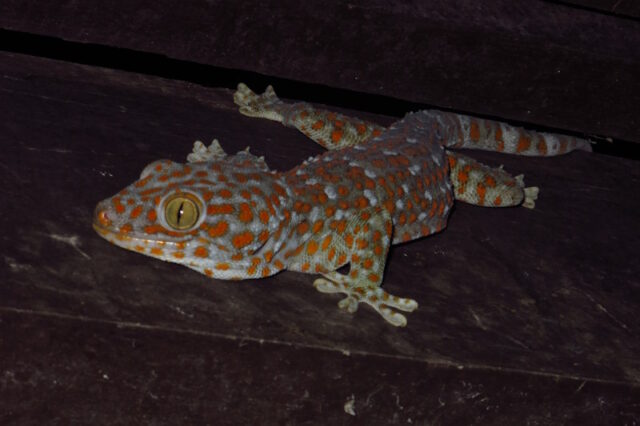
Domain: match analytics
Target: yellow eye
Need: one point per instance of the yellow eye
(181, 211)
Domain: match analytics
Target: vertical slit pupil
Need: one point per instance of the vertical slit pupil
(180, 213)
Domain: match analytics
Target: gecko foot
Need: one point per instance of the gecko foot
(530, 197)
(530, 193)
(375, 297)
(251, 104)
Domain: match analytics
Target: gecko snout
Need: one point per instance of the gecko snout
(101, 216)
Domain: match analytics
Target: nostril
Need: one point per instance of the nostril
(103, 218)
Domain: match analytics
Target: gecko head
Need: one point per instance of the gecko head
(210, 216)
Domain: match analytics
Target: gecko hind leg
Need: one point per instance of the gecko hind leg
(267, 105)
(478, 184)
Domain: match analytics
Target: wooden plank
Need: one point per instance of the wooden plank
(535, 310)
(623, 8)
(66, 371)
(531, 61)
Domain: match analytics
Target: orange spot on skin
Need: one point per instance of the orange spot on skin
(279, 190)
(156, 251)
(342, 259)
(377, 249)
(336, 135)
(318, 125)
(241, 178)
(264, 216)
(341, 225)
(362, 243)
(376, 133)
(225, 193)
(136, 212)
(266, 272)
(238, 256)
(220, 209)
(489, 181)
(143, 182)
(264, 236)
(361, 129)
(219, 229)
(390, 206)
(497, 201)
(208, 272)
(150, 191)
(178, 255)
(348, 239)
(312, 247)
(278, 264)
(406, 237)
(463, 177)
(474, 131)
(126, 228)
(222, 266)
(242, 240)
(302, 228)
(482, 192)
(152, 216)
(305, 267)
(317, 226)
(201, 252)
(245, 214)
(523, 143)
(331, 254)
(153, 229)
(118, 205)
(326, 242)
(368, 263)
(374, 278)
(542, 146)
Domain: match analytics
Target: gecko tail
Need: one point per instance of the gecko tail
(475, 133)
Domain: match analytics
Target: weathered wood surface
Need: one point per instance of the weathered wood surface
(539, 62)
(525, 316)
(622, 8)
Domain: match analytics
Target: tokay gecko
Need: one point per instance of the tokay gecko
(231, 217)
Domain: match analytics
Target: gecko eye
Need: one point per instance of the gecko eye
(181, 211)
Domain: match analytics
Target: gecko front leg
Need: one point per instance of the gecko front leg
(364, 244)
